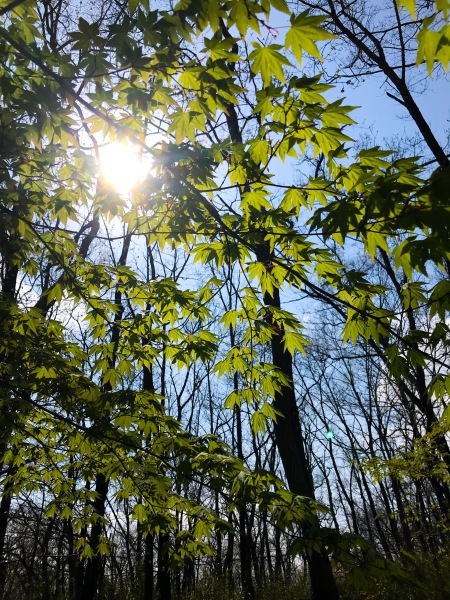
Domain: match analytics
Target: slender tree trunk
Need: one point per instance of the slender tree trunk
(228, 562)
(44, 564)
(72, 564)
(94, 564)
(148, 567)
(265, 541)
(278, 554)
(290, 444)
(5, 507)
(10, 273)
(163, 578)
(248, 589)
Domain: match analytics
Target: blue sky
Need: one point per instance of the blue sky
(386, 117)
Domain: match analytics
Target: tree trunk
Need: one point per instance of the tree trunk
(5, 506)
(290, 444)
(164, 584)
(148, 567)
(288, 434)
(94, 564)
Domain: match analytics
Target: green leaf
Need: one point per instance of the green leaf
(258, 422)
(268, 62)
(444, 6)
(213, 13)
(260, 150)
(240, 16)
(293, 341)
(294, 199)
(139, 513)
(281, 6)
(374, 240)
(303, 34)
(222, 49)
(202, 529)
(255, 199)
(428, 45)
(410, 6)
(183, 126)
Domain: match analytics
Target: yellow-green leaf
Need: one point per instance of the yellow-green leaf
(303, 34)
(410, 6)
(267, 61)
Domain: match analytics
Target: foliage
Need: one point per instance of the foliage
(72, 410)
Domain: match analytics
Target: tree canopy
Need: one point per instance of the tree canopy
(117, 309)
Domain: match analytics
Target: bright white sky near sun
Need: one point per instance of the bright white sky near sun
(122, 165)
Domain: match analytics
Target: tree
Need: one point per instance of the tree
(205, 94)
(390, 42)
(395, 45)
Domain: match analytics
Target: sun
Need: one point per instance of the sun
(122, 166)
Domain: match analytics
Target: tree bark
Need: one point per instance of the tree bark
(290, 444)
(163, 578)
(94, 564)
(148, 567)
